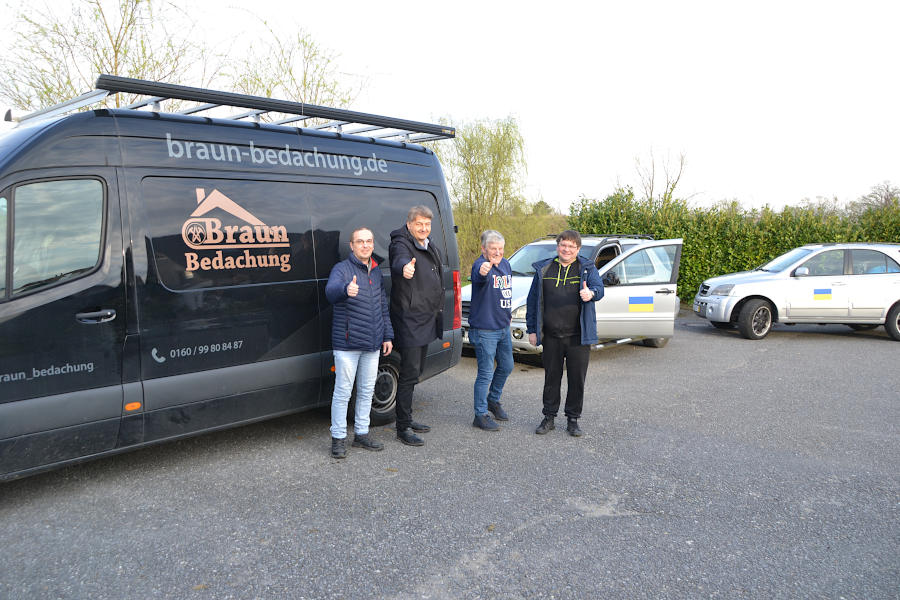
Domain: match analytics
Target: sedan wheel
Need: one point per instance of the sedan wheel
(892, 324)
(755, 319)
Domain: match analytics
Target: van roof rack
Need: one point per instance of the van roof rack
(372, 126)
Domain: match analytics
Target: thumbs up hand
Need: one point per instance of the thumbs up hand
(484, 268)
(409, 269)
(585, 293)
(352, 288)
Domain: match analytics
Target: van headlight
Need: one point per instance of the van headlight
(519, 313)
(722, 290)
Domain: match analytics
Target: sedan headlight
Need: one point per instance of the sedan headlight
(722, 290)
(519, 313)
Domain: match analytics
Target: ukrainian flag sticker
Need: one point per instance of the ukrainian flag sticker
(822, 294)
(640, 303)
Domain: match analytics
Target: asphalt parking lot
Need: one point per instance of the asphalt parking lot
(716, 467)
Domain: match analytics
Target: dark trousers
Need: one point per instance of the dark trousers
(412, 362)
(576, 358)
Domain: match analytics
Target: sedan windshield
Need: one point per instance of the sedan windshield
(779, 264)
(525, 256)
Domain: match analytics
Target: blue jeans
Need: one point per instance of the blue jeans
(362, 366)
(491, 345)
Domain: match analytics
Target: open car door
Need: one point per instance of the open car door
(640, 298)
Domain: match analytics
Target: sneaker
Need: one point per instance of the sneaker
(485, 422)
(545, 426)
(362, 440)
(498, 411)
(419, 427)
(573, 428)
(337, 448)
(409, 438)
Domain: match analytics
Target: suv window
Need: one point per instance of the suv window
(57, 231)
(828, 263)
(872, 261)
(649, 265)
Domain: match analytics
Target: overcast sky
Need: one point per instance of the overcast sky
(770, 102)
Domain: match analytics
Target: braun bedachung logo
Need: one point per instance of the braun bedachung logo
(241, 231)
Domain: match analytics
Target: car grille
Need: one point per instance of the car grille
(465, 310)
(704, 290)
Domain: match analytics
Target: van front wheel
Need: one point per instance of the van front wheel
(384, 400)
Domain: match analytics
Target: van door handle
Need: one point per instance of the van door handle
(665, 291)
(100, 316)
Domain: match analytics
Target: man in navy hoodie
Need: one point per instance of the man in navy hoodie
(489, 316)
(360, 331)
(561, 316)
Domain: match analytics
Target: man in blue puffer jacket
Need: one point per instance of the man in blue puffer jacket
(360, 331)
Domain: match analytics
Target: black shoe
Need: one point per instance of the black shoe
(545, 426)
(485, 422)
(498, 411)
(419, 427)
(364, 441)
(337, 448)
(573, 428)
(409, 438)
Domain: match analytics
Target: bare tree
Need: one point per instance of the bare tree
(57, 57)
(882, 195)
(294, 67)
(671, 173)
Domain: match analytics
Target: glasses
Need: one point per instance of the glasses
(365, 242)
(568, 246)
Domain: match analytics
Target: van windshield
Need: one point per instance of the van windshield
(524, 257)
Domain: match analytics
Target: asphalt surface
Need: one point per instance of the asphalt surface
(715, 467)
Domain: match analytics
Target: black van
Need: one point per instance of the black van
(163, 274)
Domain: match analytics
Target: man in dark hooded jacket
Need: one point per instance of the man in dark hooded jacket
(417, 298)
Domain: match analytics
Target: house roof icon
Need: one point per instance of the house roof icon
(217, 199)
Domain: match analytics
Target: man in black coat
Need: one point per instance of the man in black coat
(417, 298)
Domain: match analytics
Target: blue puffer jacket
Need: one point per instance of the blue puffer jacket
(362, 322)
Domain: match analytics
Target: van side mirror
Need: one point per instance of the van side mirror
(611, 279)
(801, 271)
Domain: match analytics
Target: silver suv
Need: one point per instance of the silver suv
(854, 284)
(639, 277)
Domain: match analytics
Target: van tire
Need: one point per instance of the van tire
(384, 400)
(755, 320)
(892, 324)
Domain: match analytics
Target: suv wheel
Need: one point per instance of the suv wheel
(755, 319)
(659, 342)
(892, 324)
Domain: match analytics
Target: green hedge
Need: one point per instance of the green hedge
(727, 238)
